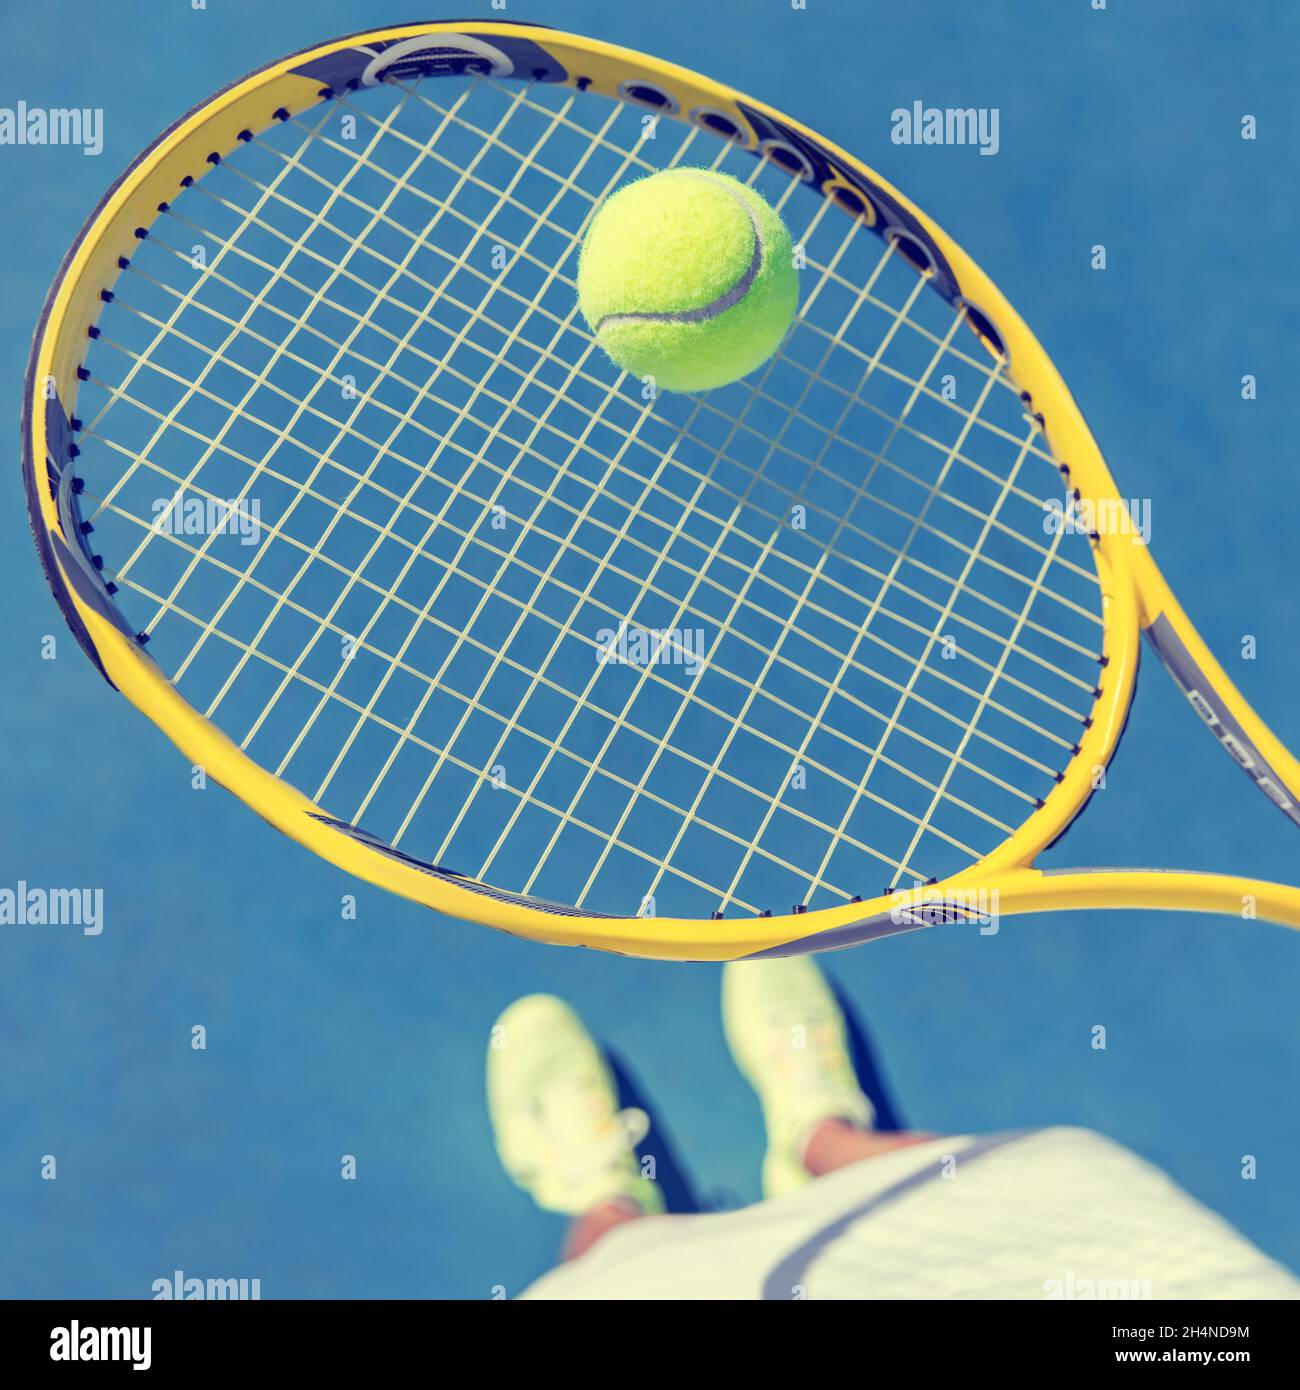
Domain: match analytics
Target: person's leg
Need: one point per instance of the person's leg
(559, 1131)
(837, 1143)
(587, 1229)
(788, 1036)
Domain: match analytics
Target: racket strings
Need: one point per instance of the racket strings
(837, 838)
(864, 488)
(849, 445)
(956, 755)
(986, 696)
(465, 174)
(427, 230)
(727, 626)
(566, 815)
(825, 272)
(1053, 635)
(984, 369)
(167, 606)
(821, 643)
(430, 748)
(396, 662)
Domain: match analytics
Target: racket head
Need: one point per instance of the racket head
(729, 126)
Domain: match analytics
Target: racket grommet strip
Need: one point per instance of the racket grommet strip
(851, 201)
(719, 123)
(649, 95)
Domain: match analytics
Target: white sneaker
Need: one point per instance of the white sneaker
(787, 1034)
(554, 1108)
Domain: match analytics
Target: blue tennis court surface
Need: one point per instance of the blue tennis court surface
(330, 1035)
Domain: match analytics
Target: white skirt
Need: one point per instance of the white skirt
(1052, 1213)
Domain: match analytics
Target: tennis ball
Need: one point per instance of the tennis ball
(687, 277)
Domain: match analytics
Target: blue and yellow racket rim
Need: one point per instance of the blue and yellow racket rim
(640, 113)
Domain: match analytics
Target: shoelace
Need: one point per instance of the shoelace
(595, 1153)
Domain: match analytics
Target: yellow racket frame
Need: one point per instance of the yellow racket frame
(1135, 595)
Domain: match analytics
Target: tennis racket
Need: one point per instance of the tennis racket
(330, 480)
